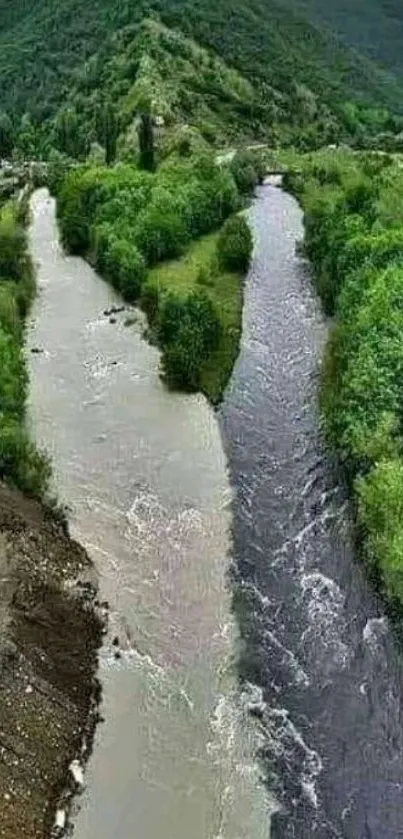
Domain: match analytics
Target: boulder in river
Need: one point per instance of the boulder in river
(114, 310)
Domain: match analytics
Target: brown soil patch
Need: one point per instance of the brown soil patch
(50, 632)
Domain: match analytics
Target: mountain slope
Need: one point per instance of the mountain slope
(375, 27)
(182, 84)
(42, 42)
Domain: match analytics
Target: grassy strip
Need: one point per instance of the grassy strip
(197, 269)
(354, 238)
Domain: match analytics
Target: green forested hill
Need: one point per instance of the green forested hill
(194, 96)
(375, 27)
(43, 42)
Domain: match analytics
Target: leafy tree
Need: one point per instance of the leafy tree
(69, 135)
(161, 231)
(125, 266)
(248, 170)
(235, 244)
(189, 331)
(354, 233)
(380, 499)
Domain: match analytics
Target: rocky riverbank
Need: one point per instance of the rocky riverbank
(50, 632)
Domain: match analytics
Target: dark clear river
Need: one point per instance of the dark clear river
(229, 569)
(315, 637)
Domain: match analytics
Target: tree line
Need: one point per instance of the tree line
(353, 208)
(20, 462)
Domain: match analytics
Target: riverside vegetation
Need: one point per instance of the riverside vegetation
(20, 463)
(354, 239)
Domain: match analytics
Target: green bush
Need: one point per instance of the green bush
(189, 331)
(235, 244)
(354, 236)
(374, 249)
(56, 171)
(248, 169)
(20, 462)
(125, 266)
(74, 221)
(157, 213)
(12, 245)
(161, 232)
(380, 504)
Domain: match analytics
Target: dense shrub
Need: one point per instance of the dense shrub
(159, 213)
(74, 223)
(235, 244)
(20, 462)
(248, 169)
(124, 265)
(12, 245)
(161, 231)
(374, 249)
(57, 168)
(357, 249)
(189, 331)
(380, 504)
(13, 377)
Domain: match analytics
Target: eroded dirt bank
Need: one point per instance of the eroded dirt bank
(49, 636)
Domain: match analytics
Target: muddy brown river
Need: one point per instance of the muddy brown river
(144, 475)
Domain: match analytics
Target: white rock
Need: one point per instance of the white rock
(60, 819)
(77, 772)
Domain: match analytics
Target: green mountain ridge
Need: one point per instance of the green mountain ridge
(375, 27)
(195, 98)
(281, 45)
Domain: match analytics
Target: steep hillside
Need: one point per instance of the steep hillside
(42, 42)
(375, 27)
(193, 95)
